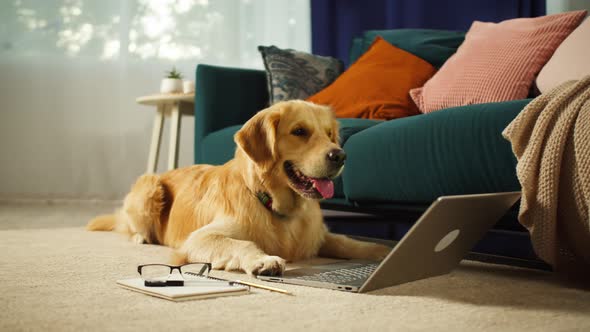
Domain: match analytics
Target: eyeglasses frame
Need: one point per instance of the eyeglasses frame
(206, 266)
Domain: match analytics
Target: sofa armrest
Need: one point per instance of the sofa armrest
(226, 97)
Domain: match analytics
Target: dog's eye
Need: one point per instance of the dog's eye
(299, 132)
(329, 132)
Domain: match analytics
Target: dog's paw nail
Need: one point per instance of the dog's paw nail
(267, 273)
(271, 272)
(268, 266)
(138, 239)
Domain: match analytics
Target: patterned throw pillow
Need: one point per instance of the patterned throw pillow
(297, 75)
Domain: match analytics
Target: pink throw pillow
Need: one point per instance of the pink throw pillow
(496, 62)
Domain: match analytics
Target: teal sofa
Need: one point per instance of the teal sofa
(396, 168)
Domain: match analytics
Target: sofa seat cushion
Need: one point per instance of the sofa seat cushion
(219, 146)
(349, 127)
(417, 159)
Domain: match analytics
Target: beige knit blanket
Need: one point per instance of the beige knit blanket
(551, 141)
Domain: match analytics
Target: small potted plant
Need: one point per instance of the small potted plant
(172, 83)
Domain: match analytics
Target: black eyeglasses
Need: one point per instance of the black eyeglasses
(159, 274)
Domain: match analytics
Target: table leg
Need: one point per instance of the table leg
(174, 136)
(156, 139)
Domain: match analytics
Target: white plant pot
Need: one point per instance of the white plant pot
(171, 85)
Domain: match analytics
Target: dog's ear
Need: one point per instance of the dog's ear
(336, 132)
(257, 137)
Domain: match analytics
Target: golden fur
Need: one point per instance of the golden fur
(212, 214)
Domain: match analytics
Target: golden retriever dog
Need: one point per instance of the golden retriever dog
(256, 211)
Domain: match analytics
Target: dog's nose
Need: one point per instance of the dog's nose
(336, 157)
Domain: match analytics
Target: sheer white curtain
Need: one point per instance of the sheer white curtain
(71, 70)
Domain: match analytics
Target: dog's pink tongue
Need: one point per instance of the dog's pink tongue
(325, 187)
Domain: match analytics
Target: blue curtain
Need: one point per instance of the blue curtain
(335, 22)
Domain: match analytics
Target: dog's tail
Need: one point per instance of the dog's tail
(140, 213)
(105, 222)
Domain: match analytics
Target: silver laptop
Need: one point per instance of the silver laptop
(435, 245)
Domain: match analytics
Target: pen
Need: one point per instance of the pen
(272, 289)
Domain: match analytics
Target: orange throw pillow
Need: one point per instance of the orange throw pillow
(377, 85)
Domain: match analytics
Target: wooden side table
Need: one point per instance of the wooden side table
(173, 105)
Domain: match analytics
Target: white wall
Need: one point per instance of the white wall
(80, 133)
(69, 124)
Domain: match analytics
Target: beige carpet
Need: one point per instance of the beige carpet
(63, 279)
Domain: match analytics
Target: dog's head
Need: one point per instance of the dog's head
(296, 142)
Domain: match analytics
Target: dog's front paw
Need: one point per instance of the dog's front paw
(138, 239)
(377, 251)
(266, 266)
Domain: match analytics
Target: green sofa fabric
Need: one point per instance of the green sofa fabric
(417, 159)
(434, 46)
(219, 147)
(357, 48)
(225, 97)
(349, 127)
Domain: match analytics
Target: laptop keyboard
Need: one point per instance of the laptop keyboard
(342, 276)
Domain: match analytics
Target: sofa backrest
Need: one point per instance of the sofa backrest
(434, 46)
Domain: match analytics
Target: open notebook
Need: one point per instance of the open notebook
(193, 290)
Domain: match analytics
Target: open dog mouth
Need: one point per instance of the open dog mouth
(307, 186)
